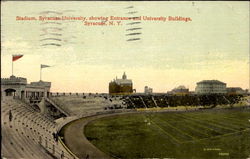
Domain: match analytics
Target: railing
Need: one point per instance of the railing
(143, 102)
(57, 107)
(154, 101)
(54, 149)
(68, 150)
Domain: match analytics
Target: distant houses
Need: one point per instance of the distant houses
(208, 87)
(124, 86)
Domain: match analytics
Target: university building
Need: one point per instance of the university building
(180, 90)
(121, 86)
(210, 87)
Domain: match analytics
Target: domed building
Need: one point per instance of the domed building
(121, 86)
(180, 90)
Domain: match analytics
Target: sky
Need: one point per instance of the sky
(214, 45)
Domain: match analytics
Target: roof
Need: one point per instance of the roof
(181, 87)
(123, 81)
(41, 83)
(13, 80)
(210, 82)
(235, 88)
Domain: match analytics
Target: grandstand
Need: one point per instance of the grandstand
(87, 104)
(156, 101)
(28, 134)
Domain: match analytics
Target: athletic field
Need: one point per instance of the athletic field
(197, 135)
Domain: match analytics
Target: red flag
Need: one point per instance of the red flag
(16, 57)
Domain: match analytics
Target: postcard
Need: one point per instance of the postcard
(125, 79)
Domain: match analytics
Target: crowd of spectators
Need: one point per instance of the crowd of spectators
(151, 101)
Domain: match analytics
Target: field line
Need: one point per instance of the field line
(201, 125)
(187, 125)
(191, 127)
(176, 140)
(230, 123)
(210, 122)
(180, 131)
(218, 136)
(238, 121)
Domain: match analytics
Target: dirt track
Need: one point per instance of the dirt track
(76, 141)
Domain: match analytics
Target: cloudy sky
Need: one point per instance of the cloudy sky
(214, 45)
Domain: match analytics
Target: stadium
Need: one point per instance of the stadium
(186, 95)
(37, 123)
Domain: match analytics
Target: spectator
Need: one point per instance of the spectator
(54, 136)
(62, 154)
(10, 116)
(87, 157)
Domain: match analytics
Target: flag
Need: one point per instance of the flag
(44, 66)
(16, 57)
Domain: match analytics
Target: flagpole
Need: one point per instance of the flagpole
(14, 58)
(40, 73)
(12, 65)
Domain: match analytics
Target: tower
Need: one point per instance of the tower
(124, 76)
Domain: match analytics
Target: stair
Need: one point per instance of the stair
(56, 106)
(143, 102)
(154, 101)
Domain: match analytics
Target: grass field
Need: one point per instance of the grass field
(197, 135)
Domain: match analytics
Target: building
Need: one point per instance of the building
(210, 87)
(235, 90)
(248, 91)
(121, 86)
(18, 87)
(180, 90)
(36, 94)
(148, 90)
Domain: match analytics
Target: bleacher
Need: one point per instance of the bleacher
(134, 102)
(149, 101)
(80, 105)
(29, 133)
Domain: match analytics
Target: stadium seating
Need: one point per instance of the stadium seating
(147, 101)
(29, 133)
(77, 105)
